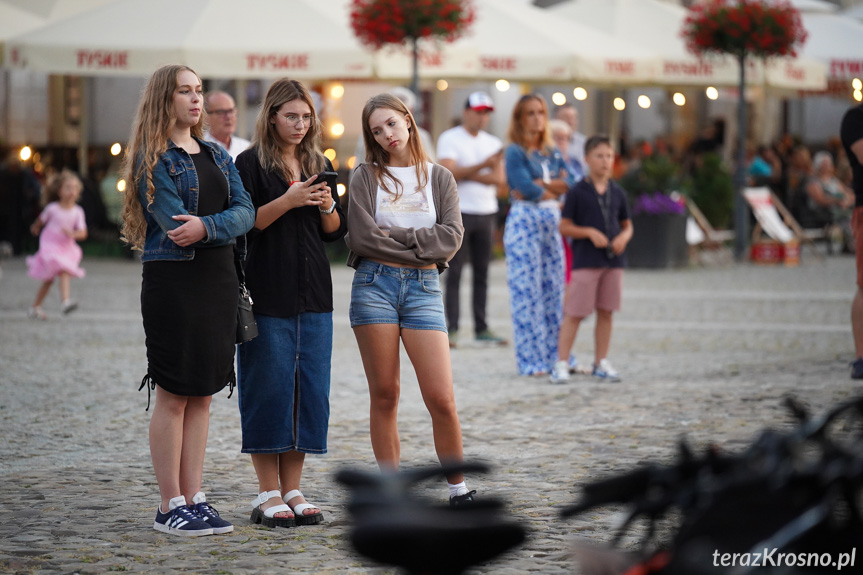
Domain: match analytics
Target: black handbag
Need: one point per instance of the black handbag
(247, 327)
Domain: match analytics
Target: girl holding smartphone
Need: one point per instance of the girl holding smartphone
(284, 373)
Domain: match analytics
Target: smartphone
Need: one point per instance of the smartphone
(330, 177)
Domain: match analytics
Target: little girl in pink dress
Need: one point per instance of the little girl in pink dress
(62, 225)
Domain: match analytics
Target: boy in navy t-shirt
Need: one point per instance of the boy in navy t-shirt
(596, 218)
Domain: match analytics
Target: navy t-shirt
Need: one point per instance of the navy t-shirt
(583, 208)
(852, 131)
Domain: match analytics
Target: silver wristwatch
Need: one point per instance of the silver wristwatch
(331, 209)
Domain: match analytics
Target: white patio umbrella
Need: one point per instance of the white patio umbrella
(814, 6)
(837, 41)
(854, 12)
(657, 26)
(21, 16)
(517, 41)
(218, 38)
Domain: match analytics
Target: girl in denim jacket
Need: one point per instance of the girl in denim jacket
(183, 209)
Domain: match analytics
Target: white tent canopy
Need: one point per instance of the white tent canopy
(518, 41)
(837, 41)
(218, 38)
(855, 12)
(312, 39)
(21, 16)
(654, 24)
(658, 25)
(814, 6)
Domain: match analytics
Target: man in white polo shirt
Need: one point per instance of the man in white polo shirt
(475, 159)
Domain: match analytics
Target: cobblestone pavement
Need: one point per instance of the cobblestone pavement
(705, 352)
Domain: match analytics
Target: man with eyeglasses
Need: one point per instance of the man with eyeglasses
(222, 117)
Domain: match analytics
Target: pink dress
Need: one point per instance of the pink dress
(57, 251)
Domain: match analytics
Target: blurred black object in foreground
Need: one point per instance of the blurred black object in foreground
(790, 503)
(392, 525)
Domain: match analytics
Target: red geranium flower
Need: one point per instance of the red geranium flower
(405, 20)
(744, 27)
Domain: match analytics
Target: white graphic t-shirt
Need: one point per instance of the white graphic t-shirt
(413, 209)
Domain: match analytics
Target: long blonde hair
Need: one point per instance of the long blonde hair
(151, 131)
(271, 146)
(378, 158)
(517, 134)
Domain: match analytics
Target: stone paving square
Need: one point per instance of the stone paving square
(705, 352)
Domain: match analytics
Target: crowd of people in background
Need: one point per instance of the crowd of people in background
(511, 195)
(786, 165)
(204, 225)
(813, 182)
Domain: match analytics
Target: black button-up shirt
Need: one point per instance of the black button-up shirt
(287, 270)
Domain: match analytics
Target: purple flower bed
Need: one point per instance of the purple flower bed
(656, 204)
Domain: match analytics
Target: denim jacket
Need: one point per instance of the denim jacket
(176, 183)
(522, 169)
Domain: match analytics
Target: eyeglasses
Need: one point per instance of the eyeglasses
(293, 119)
(224, 113)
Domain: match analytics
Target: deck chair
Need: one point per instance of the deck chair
(775, 220)
(706, 244)
(712, 237)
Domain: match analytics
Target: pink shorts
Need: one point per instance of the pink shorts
(593, 288)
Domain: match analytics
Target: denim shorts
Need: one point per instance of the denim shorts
(408, 297)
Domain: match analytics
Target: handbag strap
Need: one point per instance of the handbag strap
(238, 263)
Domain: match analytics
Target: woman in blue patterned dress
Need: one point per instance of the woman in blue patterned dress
(537, 178)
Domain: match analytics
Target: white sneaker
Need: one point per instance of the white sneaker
(560, 373)
(36, 313)
(605, 371)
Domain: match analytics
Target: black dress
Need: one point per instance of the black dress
(190, 307)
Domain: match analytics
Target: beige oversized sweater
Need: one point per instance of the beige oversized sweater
(407, 246)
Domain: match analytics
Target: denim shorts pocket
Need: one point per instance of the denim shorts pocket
(431, 283)
(362, 279)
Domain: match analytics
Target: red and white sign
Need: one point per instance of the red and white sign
(277, 62)
(103, 59)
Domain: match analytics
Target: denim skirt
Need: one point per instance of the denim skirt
(284, 384)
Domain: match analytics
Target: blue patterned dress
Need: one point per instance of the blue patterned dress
(534, 258)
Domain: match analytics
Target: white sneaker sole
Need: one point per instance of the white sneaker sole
(183, 533)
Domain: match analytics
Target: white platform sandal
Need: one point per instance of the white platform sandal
(266, 517)
(300, 509)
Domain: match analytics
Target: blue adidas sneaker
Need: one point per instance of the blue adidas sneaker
(209, 514)
(181, 520)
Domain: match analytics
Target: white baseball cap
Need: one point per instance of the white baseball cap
(480, 101)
